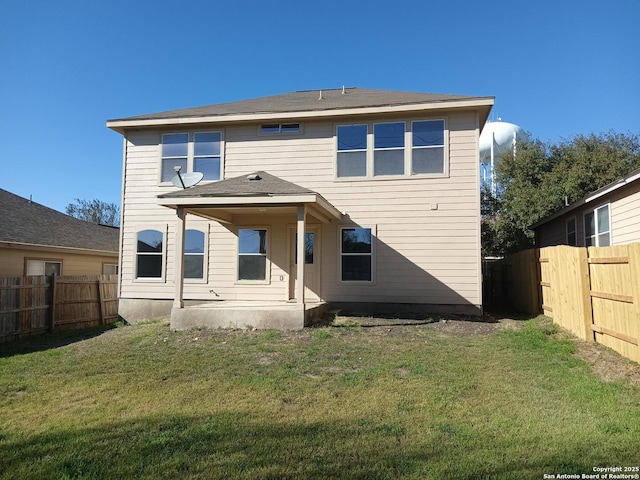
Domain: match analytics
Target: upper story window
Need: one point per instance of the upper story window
(388, 152)
(381, 149)
(280, 128)
(597, 227)
(427, 153)
(193, 152)
(352, 151)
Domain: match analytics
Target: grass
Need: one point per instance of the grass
(408, 402)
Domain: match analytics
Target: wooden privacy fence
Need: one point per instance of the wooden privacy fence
(594, 292)
(33, 305)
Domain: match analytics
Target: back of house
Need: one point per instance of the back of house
(381, 188)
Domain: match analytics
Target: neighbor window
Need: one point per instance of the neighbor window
(44, 267)
(149, 254)
(382, 149)
(252, 254)
(427, 154)
(109, 269)
(196, 152)
(388, 150)
(356, 255)
(194, 254)
(352, 151)
(597, 227)
(572, 238)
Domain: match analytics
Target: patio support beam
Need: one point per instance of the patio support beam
(178, 264)
(302, 213)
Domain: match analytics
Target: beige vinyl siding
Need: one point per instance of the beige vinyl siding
(422, 255)
(12, 261)
(625, 220)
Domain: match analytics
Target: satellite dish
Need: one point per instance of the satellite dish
(187, 180)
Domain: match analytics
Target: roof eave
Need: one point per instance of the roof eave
(474, 102)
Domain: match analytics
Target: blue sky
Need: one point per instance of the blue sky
(556, 68)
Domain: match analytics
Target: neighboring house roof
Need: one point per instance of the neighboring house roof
(258, 184)
(25, 222)
(630, 178)
(301, 104)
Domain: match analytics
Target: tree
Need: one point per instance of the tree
(95, 211)
(542, 178)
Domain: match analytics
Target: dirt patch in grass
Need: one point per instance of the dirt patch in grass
(605, 363)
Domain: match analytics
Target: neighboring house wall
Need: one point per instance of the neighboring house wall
(624, 205)
(13, 261)
(427, 229)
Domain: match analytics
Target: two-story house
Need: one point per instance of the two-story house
(380, 187)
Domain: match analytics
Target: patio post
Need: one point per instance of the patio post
(178, 264)
(302, 211)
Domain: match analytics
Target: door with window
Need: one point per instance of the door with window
(311, 264)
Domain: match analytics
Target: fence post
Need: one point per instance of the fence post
(52, 304)
(584, 279)
(100, 300)
(634, 269)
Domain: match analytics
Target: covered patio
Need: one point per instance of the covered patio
(227, 202)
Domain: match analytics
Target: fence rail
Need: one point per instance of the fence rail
(38, 304)
(593, 292)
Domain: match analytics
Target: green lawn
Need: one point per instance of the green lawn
(386, 402)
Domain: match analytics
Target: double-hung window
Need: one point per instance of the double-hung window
(192, 152)
(356, 255)
(252, 254)
(427, 154)
(388, 152)
(149, 254)
(597, 227)
(391, 149)
(194, 254)
(352, 151)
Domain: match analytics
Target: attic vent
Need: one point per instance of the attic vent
(254, 177)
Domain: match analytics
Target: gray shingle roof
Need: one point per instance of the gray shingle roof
(267, 184)
(307, 100)
(24, 221)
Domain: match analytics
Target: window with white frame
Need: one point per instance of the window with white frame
(268, 128)
(572, 237)
(149, 254)
(193, 152)
(356, 254)
(194, 254)
(44, 267)
(380, 149)
(252, 254)
(427, 152)
(352, 151)
(388, 149)
(597, 227)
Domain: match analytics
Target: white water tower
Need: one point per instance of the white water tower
(496, 139)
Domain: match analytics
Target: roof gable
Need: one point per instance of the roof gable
(26, 222)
